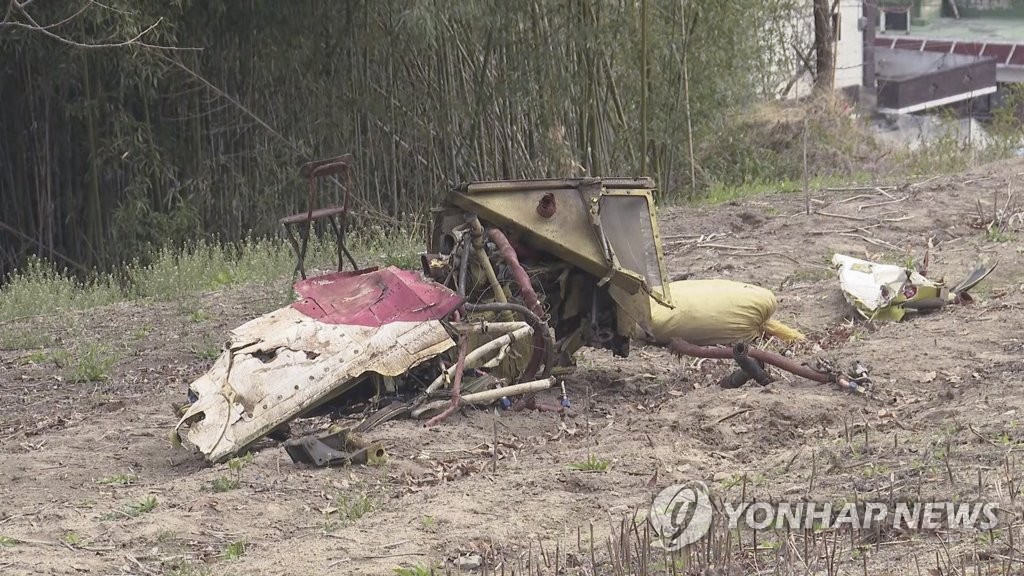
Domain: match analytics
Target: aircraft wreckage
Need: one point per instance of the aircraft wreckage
(518, 276)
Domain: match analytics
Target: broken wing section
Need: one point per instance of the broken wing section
(282, 364)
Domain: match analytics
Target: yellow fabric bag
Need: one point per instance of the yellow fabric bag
(709, 312)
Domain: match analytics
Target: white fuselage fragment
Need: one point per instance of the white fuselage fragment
(284, 363)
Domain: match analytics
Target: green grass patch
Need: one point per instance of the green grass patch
(89, 363)
(233, 482)
(41, 288)
(207, 349)
(591, 464)
(346, 509)
(92, 363)
(198, 316)
(224, 484)
(428, 570)
(24, 339)
(73, 539)
(235, 550)
(996, 234)
(7, 542)
(720, 193)
(134, 510)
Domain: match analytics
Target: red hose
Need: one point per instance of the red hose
(683, 348)
(456, 385)
(508, 254)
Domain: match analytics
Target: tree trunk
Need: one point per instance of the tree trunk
(824, 51)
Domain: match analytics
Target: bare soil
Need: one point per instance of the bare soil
(945, 423)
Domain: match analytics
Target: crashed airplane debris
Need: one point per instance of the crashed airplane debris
(346, 327)
(517, 277)
(887, 292)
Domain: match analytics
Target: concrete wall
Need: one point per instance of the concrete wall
(929, 9)
(991, 8)
(849, 47)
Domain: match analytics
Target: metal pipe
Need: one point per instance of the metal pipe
(488, 396)
(477, 234)
(475, 358)
(538, 325)
(482, 327)
(741, 354)
(683, 348)
(464, 264)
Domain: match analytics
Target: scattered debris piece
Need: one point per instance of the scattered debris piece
(718, 312)
(749, 358)
(887, 292)
(333, 448)
(470, 562)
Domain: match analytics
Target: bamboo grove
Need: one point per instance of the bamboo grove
(132, 124)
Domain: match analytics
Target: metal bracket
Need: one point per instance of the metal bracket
(334, 448)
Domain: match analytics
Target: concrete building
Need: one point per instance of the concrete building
(849, 48)
(982, 29)
(905, 56)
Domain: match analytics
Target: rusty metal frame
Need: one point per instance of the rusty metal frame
(338, 217)
(662, 294)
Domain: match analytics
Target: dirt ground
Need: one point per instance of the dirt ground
(78, 459)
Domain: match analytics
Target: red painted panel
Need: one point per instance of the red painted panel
(1017, 59)
(942, 46)
(968, 48)
(883, 42)
(1001, 52)
(908, 43)
(374, 298)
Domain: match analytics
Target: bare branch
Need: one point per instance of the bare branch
(69, 18)
(45, 30)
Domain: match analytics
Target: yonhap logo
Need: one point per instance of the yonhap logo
(681, 514)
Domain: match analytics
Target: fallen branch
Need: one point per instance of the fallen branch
(843, 216)
(927, 180)
(881, 243)
(873, 204)
(759, 254)
(857, 197)
(733, 415)
(488, 396)
(847, 230)
(978, 434)
(727, 247)
(856, 188)
(689, 239)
